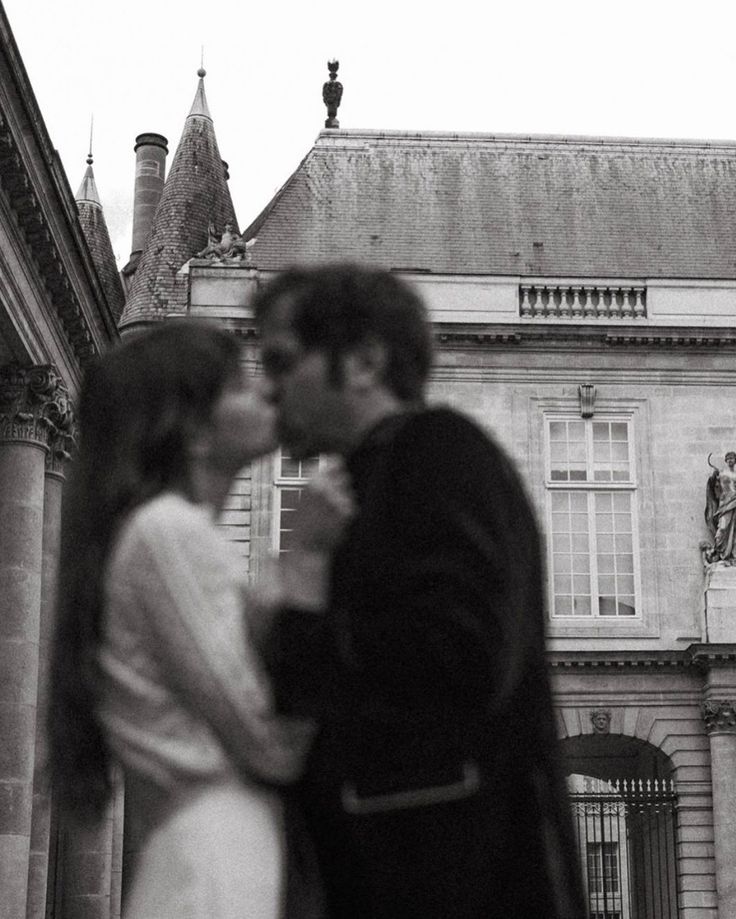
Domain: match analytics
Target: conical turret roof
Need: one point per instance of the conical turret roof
(94, 227)
(194, 196)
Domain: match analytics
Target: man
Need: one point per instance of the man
(433, 789)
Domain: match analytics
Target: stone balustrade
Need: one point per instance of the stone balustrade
(582, 302)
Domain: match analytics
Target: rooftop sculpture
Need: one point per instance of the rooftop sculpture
(332, 94)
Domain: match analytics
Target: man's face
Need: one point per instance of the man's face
(312, 411)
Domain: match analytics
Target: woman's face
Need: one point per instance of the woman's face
(242, 425)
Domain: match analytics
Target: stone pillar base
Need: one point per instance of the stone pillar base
(720, 604)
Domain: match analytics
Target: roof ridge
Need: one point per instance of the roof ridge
(338, 137)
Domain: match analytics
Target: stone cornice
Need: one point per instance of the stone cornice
(32, 221)
(449, 334)
(585, 335)
(40, 195)
(598, 661)
(709, 656)
(697, 656)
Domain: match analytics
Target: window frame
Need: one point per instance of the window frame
(280, 484)
(591, 486)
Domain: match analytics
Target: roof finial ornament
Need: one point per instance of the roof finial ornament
(201, 72)
(91, 128)
(332, 94)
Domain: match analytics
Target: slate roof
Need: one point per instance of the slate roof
(195, 194)
(507, 205)
(94, 227)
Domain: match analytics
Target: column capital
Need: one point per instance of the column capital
(35, 407)
(719, 716)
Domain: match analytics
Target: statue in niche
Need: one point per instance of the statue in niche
(228, 245)
(720, 512)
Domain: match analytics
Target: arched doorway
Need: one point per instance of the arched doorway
(625, 812)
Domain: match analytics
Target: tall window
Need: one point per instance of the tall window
(603, 873)
(592, 525)
(604, 880)
(291, 477)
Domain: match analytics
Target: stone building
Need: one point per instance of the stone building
(583, 296)
(60, 297)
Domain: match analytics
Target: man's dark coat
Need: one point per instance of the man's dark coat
(433, 790)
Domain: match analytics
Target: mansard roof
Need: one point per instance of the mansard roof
(195, 195)
(94, 227)
(507, 205)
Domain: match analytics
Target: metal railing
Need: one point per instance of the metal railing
(626, 833)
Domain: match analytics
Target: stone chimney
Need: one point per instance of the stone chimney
(150, 169)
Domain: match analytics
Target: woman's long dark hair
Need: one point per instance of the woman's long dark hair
(137, 407)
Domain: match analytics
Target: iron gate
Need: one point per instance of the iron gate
(626, 834)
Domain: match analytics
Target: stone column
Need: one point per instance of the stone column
(720, 722)
(41, 841)
(27, 417)
(86, 872)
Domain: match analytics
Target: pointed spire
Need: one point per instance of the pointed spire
(88, 189)
(195, 195)
(199, 106)
(94, 227)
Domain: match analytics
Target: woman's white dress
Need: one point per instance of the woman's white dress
(189, 716)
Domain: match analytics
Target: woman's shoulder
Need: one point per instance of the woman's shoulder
(169, 510)
(166, 520)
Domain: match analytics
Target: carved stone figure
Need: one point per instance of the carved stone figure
(230, 245)
(213, 241)
(720, 511)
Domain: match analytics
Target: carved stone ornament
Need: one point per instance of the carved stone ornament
(229, 245)
(600, 718)
(586, 392)
(35, 407)
(719, 715)
(332, 94)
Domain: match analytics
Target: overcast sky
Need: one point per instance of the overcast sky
(637, 68)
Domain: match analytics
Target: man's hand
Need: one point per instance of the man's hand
(326, 507)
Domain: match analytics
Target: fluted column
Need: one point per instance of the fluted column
(56, 456)
(29, 411)
(720, 722)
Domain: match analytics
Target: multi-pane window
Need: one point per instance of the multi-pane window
(602, 869)
(291, 477)
(591, 490)
(604, 880)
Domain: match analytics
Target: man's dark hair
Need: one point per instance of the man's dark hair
(336, 307)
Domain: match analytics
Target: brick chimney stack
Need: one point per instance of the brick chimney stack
(150, 169)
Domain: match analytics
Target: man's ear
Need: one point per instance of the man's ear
(364, 366)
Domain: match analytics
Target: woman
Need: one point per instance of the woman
(153, 664)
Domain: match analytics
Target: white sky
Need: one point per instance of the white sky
(638, 68)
